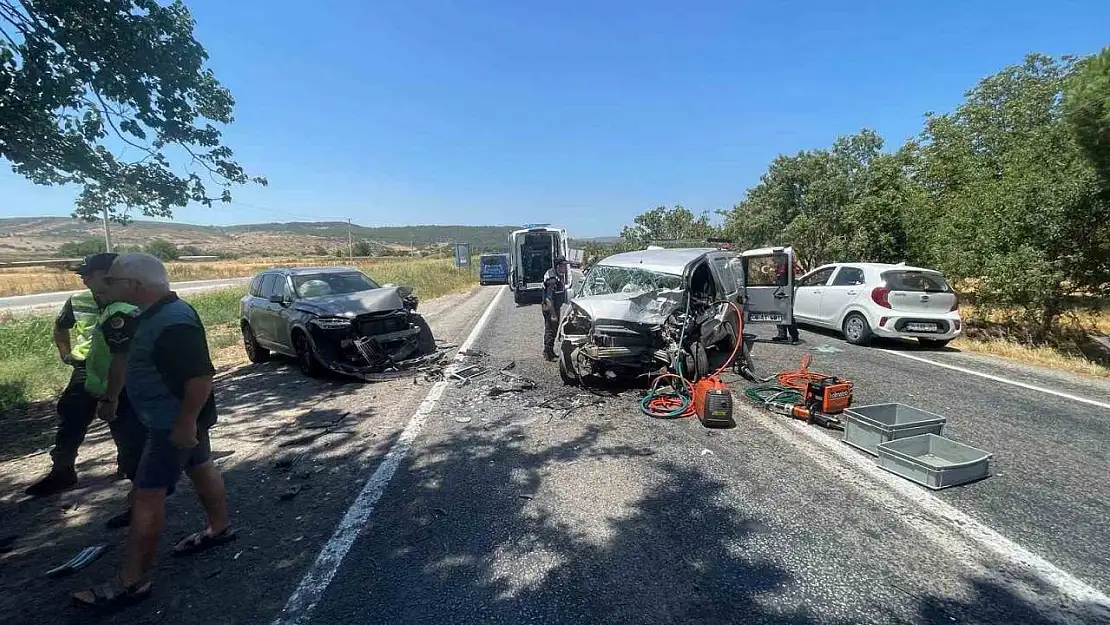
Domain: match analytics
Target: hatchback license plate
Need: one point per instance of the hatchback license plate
(764, 317)
(921, 327)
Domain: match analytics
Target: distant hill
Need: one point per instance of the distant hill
(40, 237)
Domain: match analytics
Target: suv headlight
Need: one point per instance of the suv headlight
(332, 323)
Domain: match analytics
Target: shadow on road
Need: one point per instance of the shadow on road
(675, 554)
(280, 435)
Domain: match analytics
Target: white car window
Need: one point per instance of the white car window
(849, 276)
(817, 278)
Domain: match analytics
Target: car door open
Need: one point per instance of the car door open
(768, 285)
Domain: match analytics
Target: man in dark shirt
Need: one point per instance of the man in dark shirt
(169, 383)
(554, 296)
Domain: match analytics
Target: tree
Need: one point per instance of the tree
(1087, 110)
(80, 249)
(1015, 203)
(363, 248)
(662, 224)
(102, 94)
(848, 202)
(162, 249)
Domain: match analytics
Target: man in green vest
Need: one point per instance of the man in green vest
(77, 406)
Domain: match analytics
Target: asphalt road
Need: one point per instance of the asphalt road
(38, 301)
(440, 503)
(557, 506)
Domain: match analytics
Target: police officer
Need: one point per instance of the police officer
(555, 283)
(77, 406)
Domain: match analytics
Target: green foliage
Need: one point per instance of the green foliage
(162, 249)
(662, 224)
(363, 248)
(849, 201)
(78, 80)
(1009, 194)
(1087, 110)
(1014, 202)
(80, 249)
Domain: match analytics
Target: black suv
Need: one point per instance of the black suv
(334, 318)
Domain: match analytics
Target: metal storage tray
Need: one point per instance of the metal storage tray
(934, 461)
(866, 427)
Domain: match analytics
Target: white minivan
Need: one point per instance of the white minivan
(864, 300)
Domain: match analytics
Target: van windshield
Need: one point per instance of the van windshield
(605, 280)
(492, 260)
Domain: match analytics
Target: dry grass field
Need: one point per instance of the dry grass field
(30, 280)
(31, 371)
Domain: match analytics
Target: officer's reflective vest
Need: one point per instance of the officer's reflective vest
(86, 313)
(99, 359)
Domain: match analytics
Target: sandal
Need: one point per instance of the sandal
(112, 595)
(202, 541)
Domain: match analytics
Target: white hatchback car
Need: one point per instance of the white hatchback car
(864, 300)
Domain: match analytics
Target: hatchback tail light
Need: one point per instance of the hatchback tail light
(955, 302)
(881, 296)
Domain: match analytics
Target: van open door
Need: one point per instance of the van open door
(767, 284)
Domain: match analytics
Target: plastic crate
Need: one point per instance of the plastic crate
(866, 427)
(934, 461)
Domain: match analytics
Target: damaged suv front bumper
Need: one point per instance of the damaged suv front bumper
(375, 346)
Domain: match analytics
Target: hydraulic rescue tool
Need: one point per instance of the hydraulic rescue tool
(805, 395)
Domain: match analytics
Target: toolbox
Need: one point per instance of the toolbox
(866, 427)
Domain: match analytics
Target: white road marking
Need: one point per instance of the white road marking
(308, 593)
(991, 554)
(1031, 387)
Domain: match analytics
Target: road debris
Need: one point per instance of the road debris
(468, 374)
(287, 461)
(85, 557)
(291, 492)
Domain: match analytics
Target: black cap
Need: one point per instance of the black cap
(96, 262)
(559, 260)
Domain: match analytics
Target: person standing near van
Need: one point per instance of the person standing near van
(791, 327)
(555, 283)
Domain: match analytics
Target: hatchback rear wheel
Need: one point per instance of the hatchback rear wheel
(856, 329)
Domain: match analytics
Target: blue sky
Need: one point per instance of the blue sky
(581, 113)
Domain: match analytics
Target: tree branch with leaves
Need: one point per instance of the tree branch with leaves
(107, 95)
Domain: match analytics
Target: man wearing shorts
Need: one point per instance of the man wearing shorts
(169, 383)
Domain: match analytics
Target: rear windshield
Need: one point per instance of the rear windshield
(920, 281)
(492, 260)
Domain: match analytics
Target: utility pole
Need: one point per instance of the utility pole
(350, 243)
(107, 232)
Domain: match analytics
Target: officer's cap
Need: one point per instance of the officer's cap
(96, 262)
